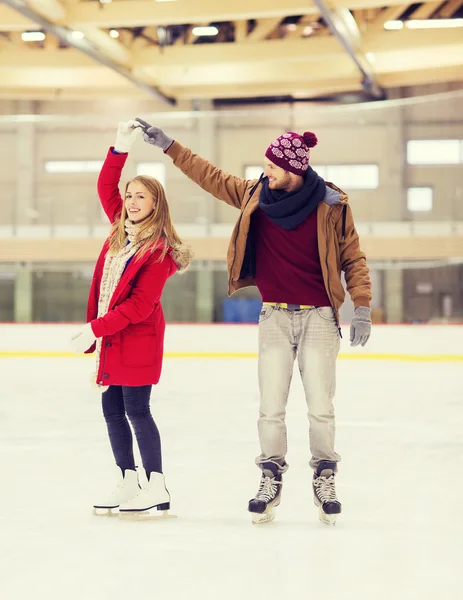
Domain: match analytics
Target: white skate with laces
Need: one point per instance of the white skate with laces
(125, 490)
(151, 503)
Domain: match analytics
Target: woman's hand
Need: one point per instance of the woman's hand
(127, 133)
(83, 339)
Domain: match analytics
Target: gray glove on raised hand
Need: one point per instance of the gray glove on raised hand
(360, 328)
(155, 136)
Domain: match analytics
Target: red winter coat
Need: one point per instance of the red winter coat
(133, 328)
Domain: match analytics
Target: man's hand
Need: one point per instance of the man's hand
(360, 328)
(154, 135)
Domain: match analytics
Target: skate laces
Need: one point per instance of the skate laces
(267, 489)
(326, 490)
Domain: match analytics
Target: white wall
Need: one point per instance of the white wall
(361, 136)
(438, 342)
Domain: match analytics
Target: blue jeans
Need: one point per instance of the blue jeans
(311, 336)
(120, 402)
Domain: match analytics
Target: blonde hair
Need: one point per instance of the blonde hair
(157, 227)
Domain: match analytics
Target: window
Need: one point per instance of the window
(153, 169)
(73, 166)
(434, 152)
(253, 171)
(350, 177)
(419, 199)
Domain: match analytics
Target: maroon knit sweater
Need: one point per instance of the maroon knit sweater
(288, 263)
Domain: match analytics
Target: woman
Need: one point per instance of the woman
(125, 322)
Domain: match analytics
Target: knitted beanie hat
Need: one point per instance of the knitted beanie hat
(291, 151)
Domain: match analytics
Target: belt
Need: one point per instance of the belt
(289, 306)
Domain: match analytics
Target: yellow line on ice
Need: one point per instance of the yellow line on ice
(242, 355)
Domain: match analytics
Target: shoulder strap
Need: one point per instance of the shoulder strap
(255, 186)
(344, 217)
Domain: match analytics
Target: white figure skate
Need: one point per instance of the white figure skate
(124, 491)
(151, 503)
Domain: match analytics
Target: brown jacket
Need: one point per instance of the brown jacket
(338, 241)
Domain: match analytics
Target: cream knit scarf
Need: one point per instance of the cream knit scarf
(113, 269)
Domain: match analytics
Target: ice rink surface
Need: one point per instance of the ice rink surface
(399, 432)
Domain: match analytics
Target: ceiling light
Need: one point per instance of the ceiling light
(393, 25)
(32, 36)
(78, 35)
(200, 31)
(308, 30)
(114, 33)
(434, 23)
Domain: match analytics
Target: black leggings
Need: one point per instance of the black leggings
(120, 402)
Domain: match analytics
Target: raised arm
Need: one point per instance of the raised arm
(108, 184)
(228, 188)
(110, 174)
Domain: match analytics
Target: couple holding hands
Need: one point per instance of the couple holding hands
(294, 235)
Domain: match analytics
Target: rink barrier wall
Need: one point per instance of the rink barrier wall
(412, 343)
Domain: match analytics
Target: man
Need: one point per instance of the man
(294, 236)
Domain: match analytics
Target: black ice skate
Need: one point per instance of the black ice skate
(267, 498)
(324, 491)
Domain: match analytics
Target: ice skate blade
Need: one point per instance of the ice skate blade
(146, 515)
(108, 512)
(265, 517)
(327, 519)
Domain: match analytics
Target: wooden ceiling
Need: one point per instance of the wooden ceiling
(263, 48)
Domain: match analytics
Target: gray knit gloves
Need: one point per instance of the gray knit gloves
(360, 328)
(155, 136)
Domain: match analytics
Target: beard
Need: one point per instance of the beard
(281, 184)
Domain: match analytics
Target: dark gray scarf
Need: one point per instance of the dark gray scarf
(290, 209)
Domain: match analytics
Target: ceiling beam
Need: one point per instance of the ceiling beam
(80, 93)
(33, 88)
(61, 78)
(449, 9)
(263, 28)
(297, 89)
(51, 9)
(143, 13)
(388, 47)
(388, 14)
(55, 12)
(426, 10)
(318, 87)
(411, 39)
(111, 48)
(345, 29)
(275, 51)
(331, 69)
(25, 58)
(47, 22)
(241, 31)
